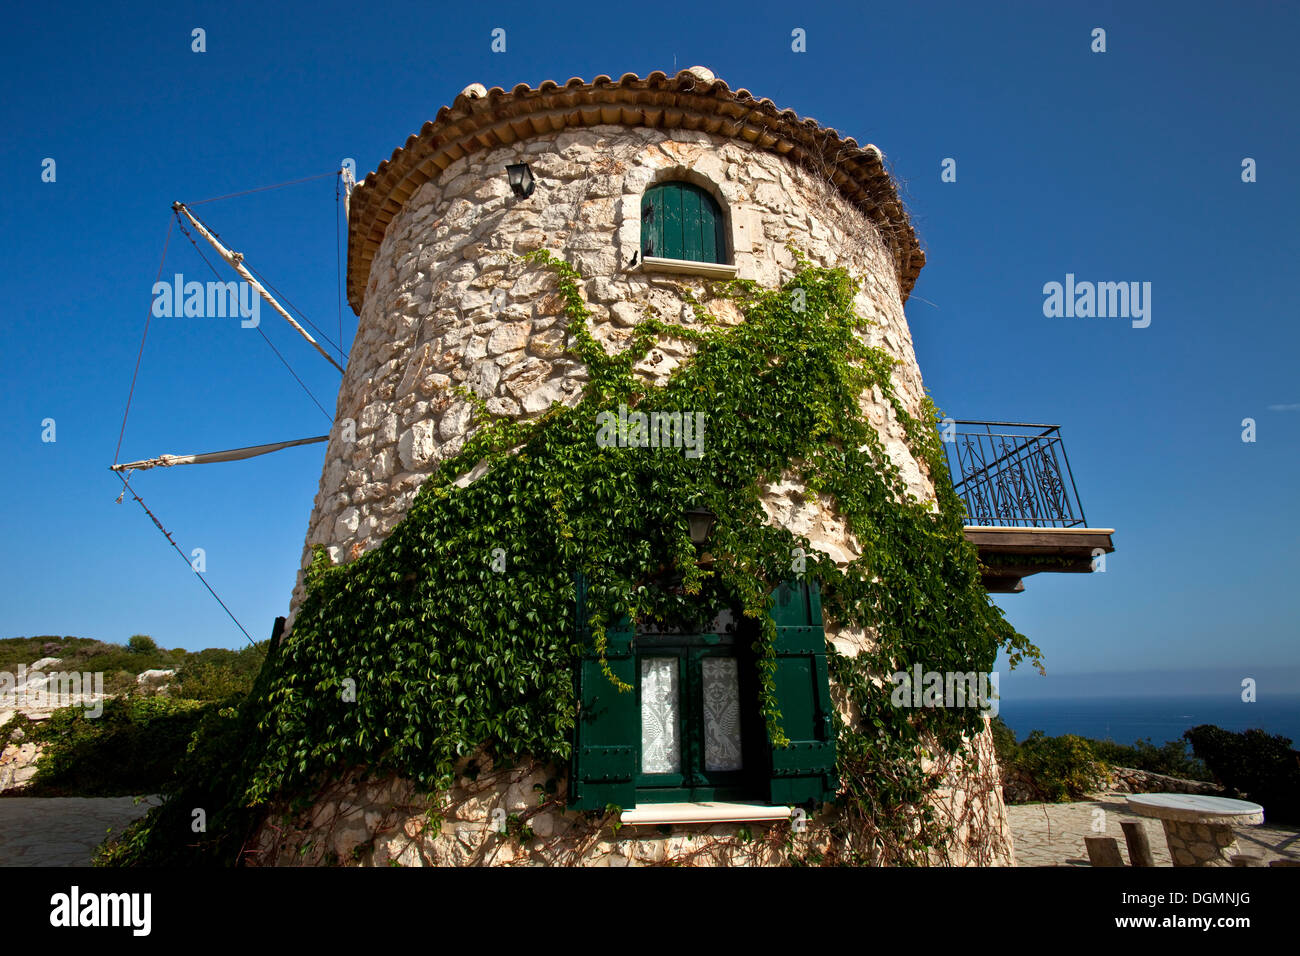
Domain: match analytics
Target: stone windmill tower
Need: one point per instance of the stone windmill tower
(652, 188)
(429, 230)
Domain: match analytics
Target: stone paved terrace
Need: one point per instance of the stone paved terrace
(62, 831)
(1051, 834)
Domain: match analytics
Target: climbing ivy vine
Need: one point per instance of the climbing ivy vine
(458, 631)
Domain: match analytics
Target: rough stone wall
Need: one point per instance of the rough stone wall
(970, 801)
(387, 822)
(1131, 780)
(18, 765)
(449, 304)
(511, 815)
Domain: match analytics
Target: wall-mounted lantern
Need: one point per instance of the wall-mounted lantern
(700, 523)
(521, 179)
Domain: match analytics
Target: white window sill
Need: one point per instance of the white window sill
(710, 270)
(669, 813)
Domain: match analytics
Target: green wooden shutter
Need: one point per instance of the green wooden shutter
(804, 771)
(652, 222)
(682, 221)
(607, 732)
(674, 222)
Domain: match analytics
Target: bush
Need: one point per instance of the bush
(1262, 766)
(209, 682)
(132, 748)
(1171, 758)
(25, 650)
(218, 673)
(135, 745)
(141, 644)
(1060, 768)
(115, 660)
(203, 778)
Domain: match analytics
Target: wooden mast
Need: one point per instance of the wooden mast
(233, 454)
(236, 262)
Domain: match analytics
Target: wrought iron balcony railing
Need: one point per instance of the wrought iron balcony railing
(1012, 474)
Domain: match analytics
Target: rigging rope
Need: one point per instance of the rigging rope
(259, 189)
(140, 355)
(282, 297)
(172, 541)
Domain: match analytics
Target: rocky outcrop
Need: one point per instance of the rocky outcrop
(39, 689)
(17, 765)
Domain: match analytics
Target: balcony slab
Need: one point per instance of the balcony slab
(1010, 554)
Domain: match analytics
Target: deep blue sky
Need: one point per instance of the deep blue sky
(1117, 166)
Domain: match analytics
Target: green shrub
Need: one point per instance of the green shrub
(134, 746)
(1061, 768)
(1262, 766)
(116, 661)
(141, 644)
(131, 748)
(25, 650)
(221, 740)
(218, 673)
(1171, 758)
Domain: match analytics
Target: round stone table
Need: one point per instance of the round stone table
(1198, 829)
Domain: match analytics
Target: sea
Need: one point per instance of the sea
(1126, 720)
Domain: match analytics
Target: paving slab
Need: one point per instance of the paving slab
(1051, 834)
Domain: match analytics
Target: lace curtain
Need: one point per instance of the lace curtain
(661, 711)
(660, 708)
(721, 714)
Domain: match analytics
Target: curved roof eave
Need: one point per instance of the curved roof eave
(692, 100)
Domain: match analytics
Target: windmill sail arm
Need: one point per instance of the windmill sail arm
(236, 261)
(232, 454)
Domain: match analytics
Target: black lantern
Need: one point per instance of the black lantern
(700, 523)
(521, 179)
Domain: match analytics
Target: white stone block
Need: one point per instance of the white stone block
(415, 446)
